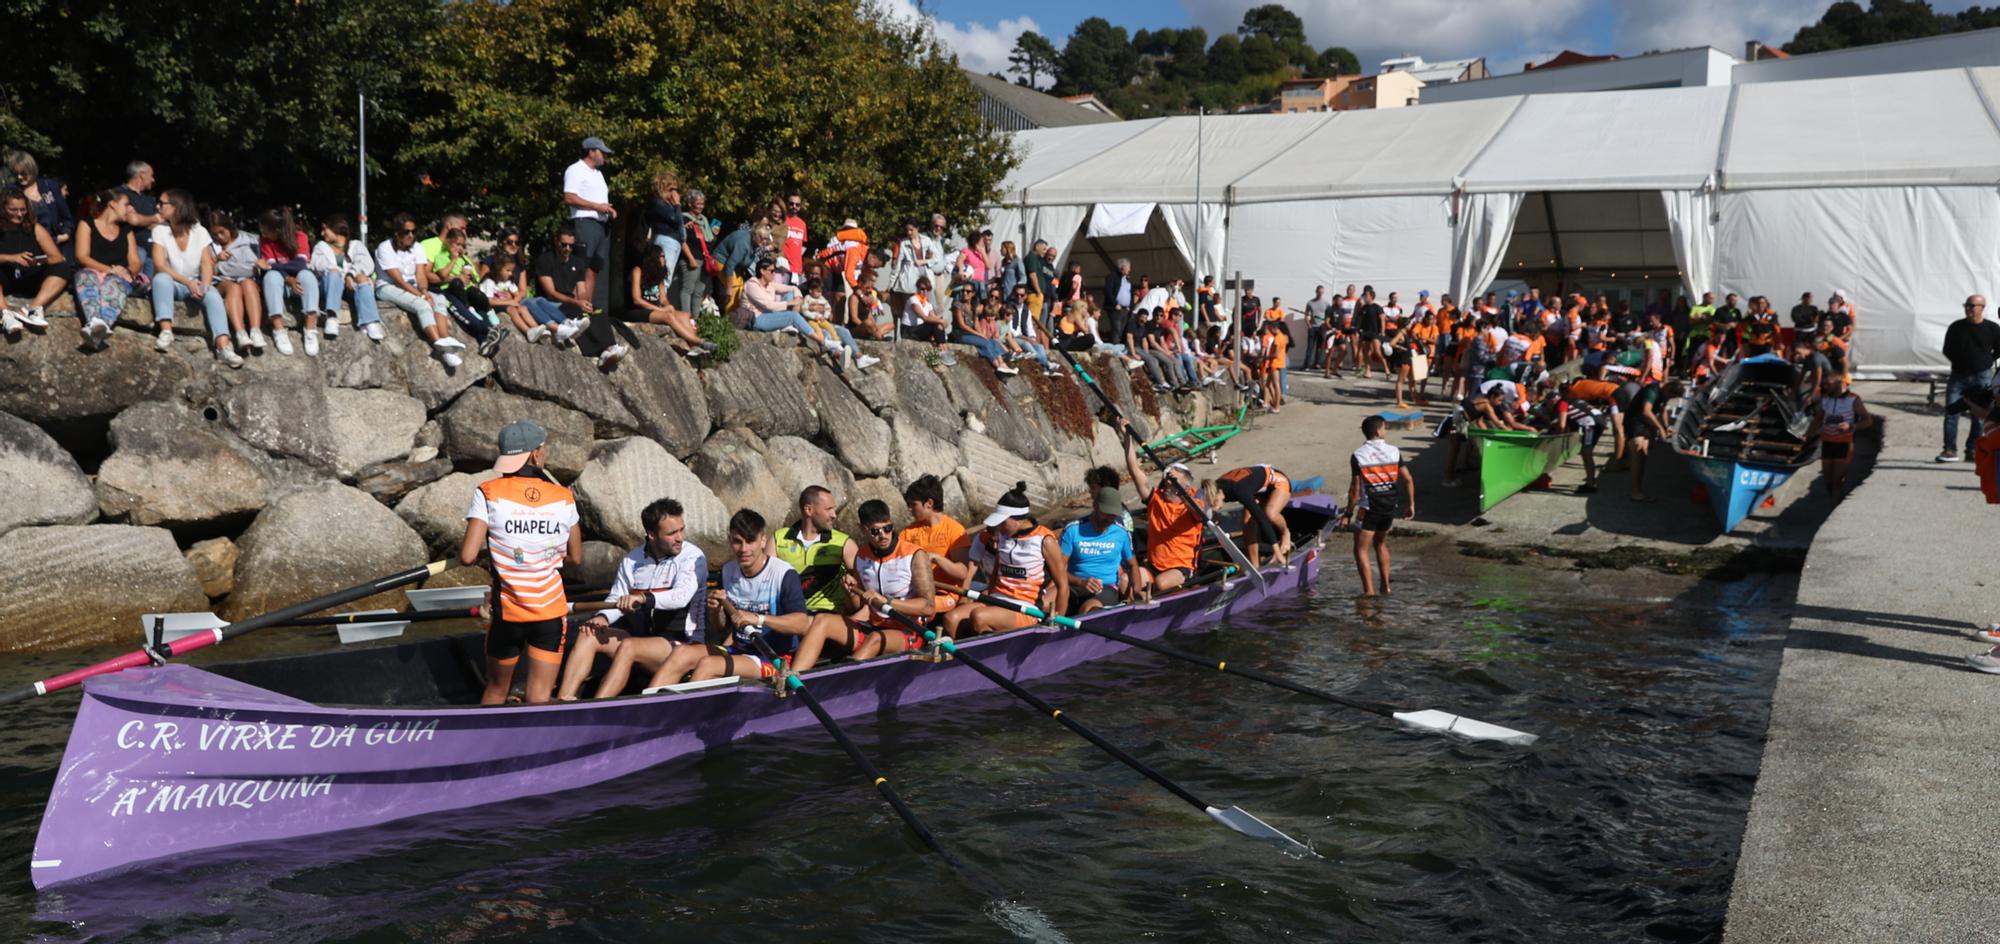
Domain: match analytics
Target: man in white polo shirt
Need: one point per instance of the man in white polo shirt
(588, 198)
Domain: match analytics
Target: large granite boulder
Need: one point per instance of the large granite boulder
(285, 419)
(799, 464)
(625, 475)
(89, 585)
(859, 436)
(735, 467)
(921, 396)
(356, 362)
(46, 485)
(876, 386)
(664, 394)
(971, 385)
(437, 511)
(315, 541)
(368, 427)
(50, 378)
(171, 468)
(885, 490)
(388, 482)
(914, 450)
(762, 388)
(425, 377)
(472, 429)
(993, 469)
(563, 376)
(599, 568)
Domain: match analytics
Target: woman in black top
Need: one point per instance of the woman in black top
(31, 265)
(107, 259)
(666, 221)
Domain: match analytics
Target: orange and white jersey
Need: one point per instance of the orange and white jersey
(1379, 466)
(1514, 349)
(1018, 566)
(528, 520)
(890, 575)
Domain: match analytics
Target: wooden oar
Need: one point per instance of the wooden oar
(1442, 722)
(1233, 817)
(187, 644)
(1167, 476)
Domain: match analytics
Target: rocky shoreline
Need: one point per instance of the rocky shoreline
(151, 481)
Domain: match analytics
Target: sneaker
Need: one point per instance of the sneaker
(491, 342)
(947, 358)
(373, 330)
(446, 356)
(331, 325)
(609, 358)
(34, 317)
(697, 351)
(866, 361)
(256, 342)
(568, 329)
(537, 333)
(1133, 363)
(708, 347)
(10, 322)
(1947, 456)
(165, 342)
(1990, 635)
(95, 331)
(449, 342)
(1052, 371)
(282, 340)
(228, 355)
(1004, 370)
(242, 340)
(312, 342)
(1988, 661)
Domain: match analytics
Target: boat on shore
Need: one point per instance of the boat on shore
(1513, 459)
(175, 761)
(1746, 431)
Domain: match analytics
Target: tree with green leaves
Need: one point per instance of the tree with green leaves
(1273, 22)
(1097, 58)
(1335, 60)
(1262, 56)
(1847, 24)
(1225, 60)
(1033, 59)
(1190, 52)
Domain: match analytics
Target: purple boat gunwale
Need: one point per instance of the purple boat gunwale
(273, 767)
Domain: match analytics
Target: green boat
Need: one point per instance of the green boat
(1512, 459)
(1189, 443)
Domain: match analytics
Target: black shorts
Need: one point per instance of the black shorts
(1835, 450)
(1399, 358)
(1187, 573)
(1107, 596)
(505, 640)
(1371, 335)
(1377, 521)
(1593, 432)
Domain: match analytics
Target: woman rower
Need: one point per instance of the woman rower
(1263, 491)
(1842, 414)
(1173, 520)
(1021, 559)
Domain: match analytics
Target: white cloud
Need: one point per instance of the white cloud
(1724, 24)
(1434, 29)
(981, 48)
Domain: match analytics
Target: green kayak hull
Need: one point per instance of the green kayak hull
(1512, 459)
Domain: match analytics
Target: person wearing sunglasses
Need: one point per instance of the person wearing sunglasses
(887, 576)
(1971, 344)
(401, 281)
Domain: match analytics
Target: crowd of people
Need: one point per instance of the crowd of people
(797, 595)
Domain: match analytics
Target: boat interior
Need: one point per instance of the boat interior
(1756, 412)
(450, 670)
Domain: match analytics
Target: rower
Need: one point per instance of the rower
(1597, 399)
(654, 594)
(885, 570)
(1493, 404)
(816, 550)
(525, 521)
(940, 535)
(1381, 490)
(1098, 551)
(1173, 527)
(1021, 560)
(1648, 424)
(760, 595)
(1263, 492)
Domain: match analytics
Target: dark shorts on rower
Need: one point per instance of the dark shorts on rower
(1377, 521)
(1835, 450)
(543, 640)
(1108, 596)
(1187, 573)
(1592, 432)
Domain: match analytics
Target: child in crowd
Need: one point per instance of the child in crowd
(504, 289)
(236, 277)
(345, 268)
(282, 260)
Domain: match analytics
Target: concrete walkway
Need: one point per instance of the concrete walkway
(1873, 815)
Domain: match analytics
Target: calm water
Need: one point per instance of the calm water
(1623, 823)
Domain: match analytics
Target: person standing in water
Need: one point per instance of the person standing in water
(1381, 491)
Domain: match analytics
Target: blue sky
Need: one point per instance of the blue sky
(1507, 32)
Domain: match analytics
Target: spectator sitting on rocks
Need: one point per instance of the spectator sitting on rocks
(401, 281)
(345, 268)
(866, 312)
(184, 269)
(283, 256)
(563, 280)
(142, 212)
(766, 307)
(839, 341)
(648, 302)
(47, 197)
(965, 329)
(31, 265)
(107, 258)
(456, 277)
(236, 279)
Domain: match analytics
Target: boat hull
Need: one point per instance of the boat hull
(1735, 489)
(175, 760)
(1512, 459)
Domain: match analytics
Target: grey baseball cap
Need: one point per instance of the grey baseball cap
(595, 143)
(518, 440)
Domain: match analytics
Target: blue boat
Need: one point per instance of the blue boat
(1746, 432)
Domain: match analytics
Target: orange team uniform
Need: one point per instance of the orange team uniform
(1275, 344)
(1425, 335)
(1017, 564)
(528, 520)
(1594, 391)
(1173, 533)
(940, 540)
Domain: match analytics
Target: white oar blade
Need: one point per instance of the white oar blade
(1445, 722)
(1235, 818)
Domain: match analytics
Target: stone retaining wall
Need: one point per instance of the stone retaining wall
(148, 481)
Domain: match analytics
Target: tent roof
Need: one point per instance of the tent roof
(1158, 165)
(1048, 151)
(1906, 129)
(1652, 139)
(1380, 152)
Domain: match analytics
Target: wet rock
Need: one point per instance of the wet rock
(623, 476)
(45, 484)
(286, 419)
(561, 375)
(315, 541)
(735, 467)
(761, 389)
(214, 564)
(437, 511)
(49, 378)
(472, 428)
(89, 585)
(390, 481)
(859, 436)
(367, 427)
(663, 393)
(172, 468)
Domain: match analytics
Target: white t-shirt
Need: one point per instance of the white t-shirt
(185, 262)
(388, 258)
(587, 182)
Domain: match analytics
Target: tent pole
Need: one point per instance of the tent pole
(1199, 139)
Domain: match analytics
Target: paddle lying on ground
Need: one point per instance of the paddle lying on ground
(1167, 476)
(187, 644)
(1233, 817)
(1443, 722)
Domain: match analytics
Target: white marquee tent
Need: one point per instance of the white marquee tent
(1885, 186)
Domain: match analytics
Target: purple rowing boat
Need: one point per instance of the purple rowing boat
(176, 760)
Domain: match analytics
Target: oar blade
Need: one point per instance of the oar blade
(1238, 819)
(1444, 722)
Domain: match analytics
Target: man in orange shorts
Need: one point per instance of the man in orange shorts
(886, 572)
(1020, 559)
